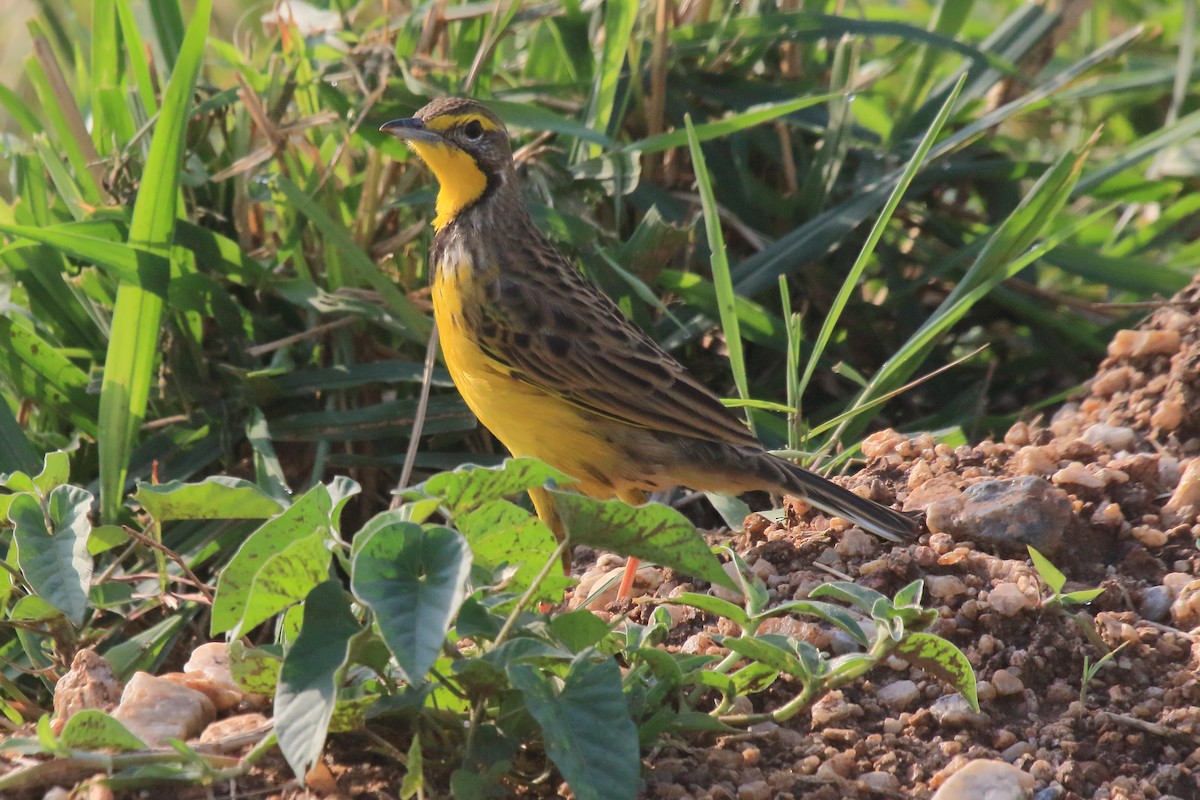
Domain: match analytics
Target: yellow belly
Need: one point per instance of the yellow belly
(527, 420)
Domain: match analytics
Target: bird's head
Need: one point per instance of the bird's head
(465, 145)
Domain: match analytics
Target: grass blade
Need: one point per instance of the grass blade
(881, 223)
(722, 280)
(133, 342)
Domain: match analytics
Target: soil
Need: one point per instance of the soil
(1126, 458)
(1121, 455)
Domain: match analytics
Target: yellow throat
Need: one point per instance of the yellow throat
(460, 181)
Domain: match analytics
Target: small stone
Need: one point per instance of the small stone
(884, 783)
(1006, 683)
(1148, 536)
(987, 779)
(1132, 344)
(943, 587)
(1175, 581)
(90, 684)
(1113, 437)
(833, 708)
(893, 726)
(840, 765)
(1156, 604)
(1168, 416)
(156, 709)
(1003, 738)
(1109, 382)
(1185, 611)
(952, 711)
(942, 487)
(899, 695)
(236, 725)
(1015, 751)
(1061, 693)
(855, 543)
(1018, 434)
(1008, 600)
(212, 661)
(1010, 513)
(1185, 500)
(941, 543)
(883, 444)
(1076, 474)
(755, 790)
(1035, 460)
(1041, 770)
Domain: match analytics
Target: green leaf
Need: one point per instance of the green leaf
(414, 777)
(216, 497)
(910, 595)
(414, 579)
(578, 630)
(585, 726)
(653, 532)
(56, 470)
(1082, 596)
(276, 566)
(47, 739)
(860, 597)
(16, 453)
(56, 564)
(769, 654)
(939, 657)
(40, 372)
(253, 668)
(310, 675)
(834, 615)
(133, 340)
(105, 537)
(1048, 572)
(499, 533)
(94, 730)
(350, 710)
(714, 605)
(754, 677)
(471, 486)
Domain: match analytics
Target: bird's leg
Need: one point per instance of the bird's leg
(547, 511)
(635, 497)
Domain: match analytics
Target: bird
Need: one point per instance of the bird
(552, 367)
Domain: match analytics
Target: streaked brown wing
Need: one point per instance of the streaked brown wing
(548, 323)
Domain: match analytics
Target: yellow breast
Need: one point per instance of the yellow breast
(526, 419)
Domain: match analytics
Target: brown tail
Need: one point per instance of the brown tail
(833, 499)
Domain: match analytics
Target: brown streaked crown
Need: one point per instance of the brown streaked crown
(473, 128)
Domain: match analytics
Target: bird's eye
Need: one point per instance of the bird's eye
(474, 130)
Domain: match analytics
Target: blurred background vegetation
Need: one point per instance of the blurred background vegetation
(286, 331)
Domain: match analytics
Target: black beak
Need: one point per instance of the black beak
(411, 129)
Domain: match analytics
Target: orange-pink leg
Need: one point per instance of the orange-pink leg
(631, 568)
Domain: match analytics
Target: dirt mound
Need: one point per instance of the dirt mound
(1108, 489)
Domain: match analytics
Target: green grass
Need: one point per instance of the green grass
(214, 265)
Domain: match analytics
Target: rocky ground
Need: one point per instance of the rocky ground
(1108, 489)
